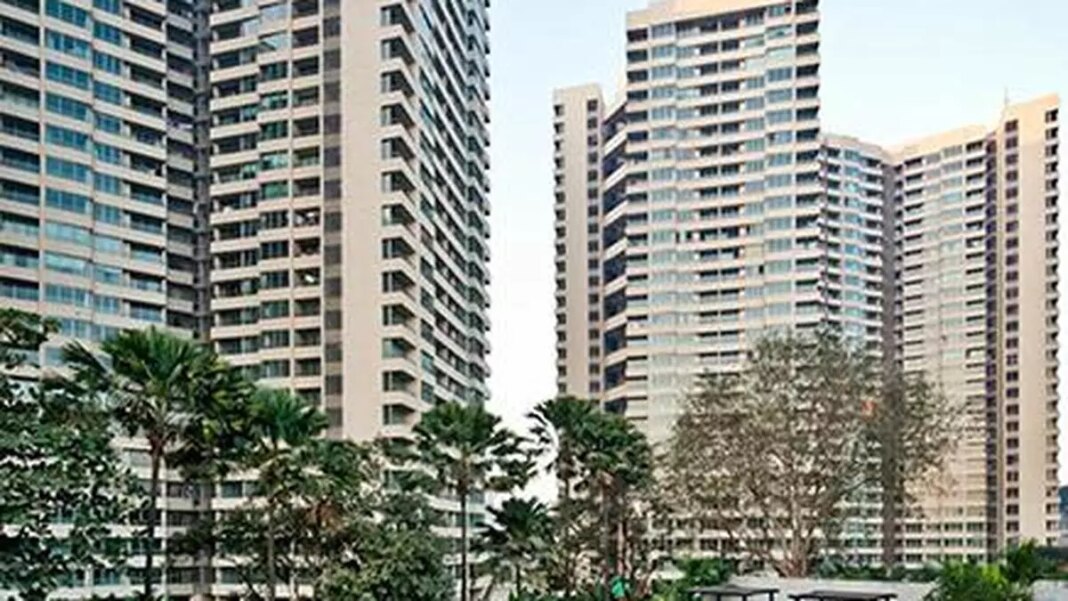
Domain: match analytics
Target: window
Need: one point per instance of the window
(66, 264)
(108, 154)
(109, 184)
(68, 295)
(68, 75)
(67, 170)
(109, 124)
(68, 201)
(107, 93)
(65, 232)
(68, 107)
(107, 33)
(67, 44)
(106, 62)
(780, 74)
(111, 6)
(67, 12)
(61, 136)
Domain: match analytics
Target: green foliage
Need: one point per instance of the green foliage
(63, 484)
(604, 467)
(153, 382)
(784, 441)
(973, 582)
(696, 572)
(1025, 564)
(466, 448)
(515, 541)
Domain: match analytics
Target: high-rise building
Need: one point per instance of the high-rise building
(101, 210)
(349, 197)
(721, 211)
(976, 225)
(223, 169)
(350, 205)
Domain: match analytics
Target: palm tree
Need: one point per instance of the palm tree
(467, 449)
(152, 380)
(560, 428)
(283, 427)
(520, 533)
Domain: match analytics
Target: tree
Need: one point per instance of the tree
(152, 380)
(283, 426)
(769, 455)
(560, 425)
(467, 449)
(399, 558)
(973, 582)
(912, 430)
(619, 467)
(63, 485)
(517, 538)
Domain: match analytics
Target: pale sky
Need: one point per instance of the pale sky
(892, 70)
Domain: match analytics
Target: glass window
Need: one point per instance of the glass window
(107, 33)
(112, 125)
(66, 264)
(108, 154)
(108, 244)
(68, 295)
(67, 169)
(106, 62)
(67, 44)
(68, 107)
(111, 6)
(61, 136)
(107, 274)
(107, 93)
(68, 201)
(65, 232)
(68, 75)
(67, 12)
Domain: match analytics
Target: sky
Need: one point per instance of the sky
(892, 70)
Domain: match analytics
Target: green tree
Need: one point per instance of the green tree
(152, 380)
(559, 430)
(283, 427)
(63, 485)
(1025, 564)
(515, 541)
(973, 582)
(912, 430)
(619, 491)
(770, 455)
(467, 449)
(399, 558)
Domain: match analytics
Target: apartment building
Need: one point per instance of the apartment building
(101, 215)
(722, 210)
(349, 194)
(976, 241)
(224, 170)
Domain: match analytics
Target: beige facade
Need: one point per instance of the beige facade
(977, 312)
(725, 211)
(350, 205)
(302, 183)
(101, 216)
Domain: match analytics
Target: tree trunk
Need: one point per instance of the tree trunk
(569, 564)
(518, 582)
(156, 458)
(889, 512)
(272, 576)
(606, 541)
(463, 543)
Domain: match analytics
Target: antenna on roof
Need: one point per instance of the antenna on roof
(1006, 101)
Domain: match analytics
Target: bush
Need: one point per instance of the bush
(972, 582)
